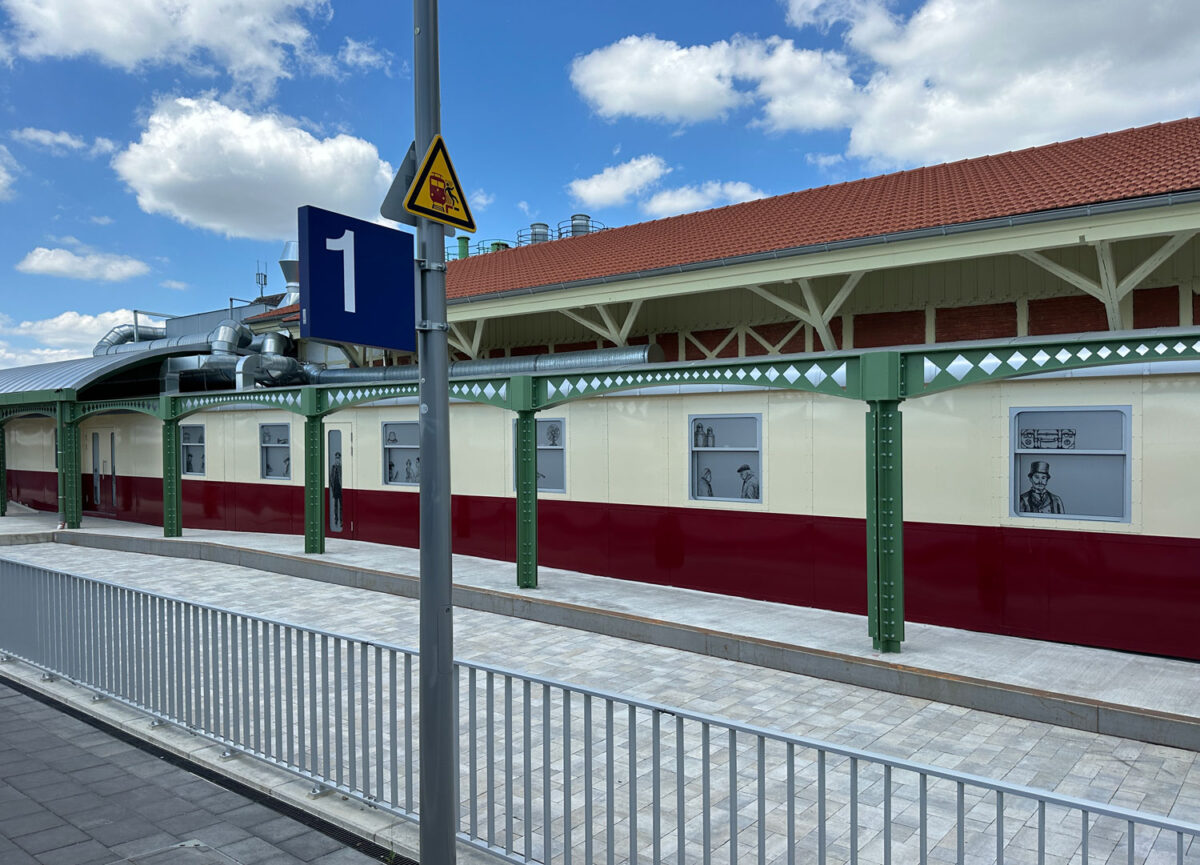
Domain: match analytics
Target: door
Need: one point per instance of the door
(339, 511)
(103, 487)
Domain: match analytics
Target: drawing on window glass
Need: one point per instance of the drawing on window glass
(412, 473)
(335, 491)
(553, 434)
(1048, 439)
(1038, 499)
(749, 482)
(704, 484)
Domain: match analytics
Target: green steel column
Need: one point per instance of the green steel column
(526, 477)
(314, 485)
(882, 388)
(3, 475)
(70, 491)
(520, 389)
(172, 482)
(885, 526)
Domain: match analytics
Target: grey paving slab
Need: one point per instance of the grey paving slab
(89, 826)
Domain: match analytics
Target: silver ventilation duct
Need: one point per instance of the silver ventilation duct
(125, 333)
(289, 263)
(227, 337)
(221, 371)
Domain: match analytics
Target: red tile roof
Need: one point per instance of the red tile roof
(283, 313)
(1150, 160)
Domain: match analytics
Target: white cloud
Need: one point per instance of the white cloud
(87, 265)
(824, 160)
(524, 207)
(174, 285)
(615, 184)
(255, 41)
(55, 142)
(102, 220)
(68, 335)
(8, 173)
(243, 175)
(953, 79)
(643, 76)
(685, 199)
(364, 55)
(481, 200)
(62, 143)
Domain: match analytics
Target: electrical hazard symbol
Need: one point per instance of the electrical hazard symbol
(436, 193)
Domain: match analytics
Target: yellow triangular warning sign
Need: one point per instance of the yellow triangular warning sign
(436, 193)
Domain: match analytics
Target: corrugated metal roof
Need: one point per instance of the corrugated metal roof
(78, 373)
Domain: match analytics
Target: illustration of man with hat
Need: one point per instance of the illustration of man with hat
(749, 482)
(1037, 499)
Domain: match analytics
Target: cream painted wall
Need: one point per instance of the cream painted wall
(29, 444)
(634, 449)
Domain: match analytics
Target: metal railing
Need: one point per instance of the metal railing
(547, 771)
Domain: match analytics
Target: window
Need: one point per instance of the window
(551, 439)
(276, 452)
(726, 457)
(1071, 463)
(191, 437)
(401, 453)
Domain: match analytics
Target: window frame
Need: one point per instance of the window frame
(693, 450)
(415, 449)
(1015, 452)
(262, 451)
(185, 430)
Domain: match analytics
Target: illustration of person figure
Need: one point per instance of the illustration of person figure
(1037, 499)
(391, 471)
(335, 491)
(409, 474)
(704, 484)
(552, 434)
(749, 482)
(188, 467)
(417, 470)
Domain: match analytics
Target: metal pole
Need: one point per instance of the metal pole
(439, 770)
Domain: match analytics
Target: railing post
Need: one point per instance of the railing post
(172, 481)
(314, 474)
(882, 376)
(525, 469)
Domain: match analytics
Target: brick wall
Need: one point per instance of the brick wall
(986, 321)
(835, 327)
(710, 339)
(889, 328)
(1156, 307)
(1077, 313)
(772, 333)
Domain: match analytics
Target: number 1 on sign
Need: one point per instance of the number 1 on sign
(345, 245)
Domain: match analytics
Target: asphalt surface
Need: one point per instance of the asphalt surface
(73, 794)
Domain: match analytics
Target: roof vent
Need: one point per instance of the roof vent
(539, 232)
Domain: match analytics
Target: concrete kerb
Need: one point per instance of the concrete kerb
(1066, 710)
(391, 833)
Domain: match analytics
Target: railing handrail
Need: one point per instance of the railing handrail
(626, 703)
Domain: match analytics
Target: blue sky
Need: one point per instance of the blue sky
(152, 151)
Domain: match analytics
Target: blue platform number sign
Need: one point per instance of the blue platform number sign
(356, 281)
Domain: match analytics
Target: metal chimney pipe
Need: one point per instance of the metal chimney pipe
(581, 224)
(289, 263)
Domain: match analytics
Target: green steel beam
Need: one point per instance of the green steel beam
(331, 398)
(833, 375)
(172, 481)
(881, 383)
(934, 369)
(150, 406)
(314, 485)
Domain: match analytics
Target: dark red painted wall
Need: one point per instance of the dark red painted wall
(1119, 591)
